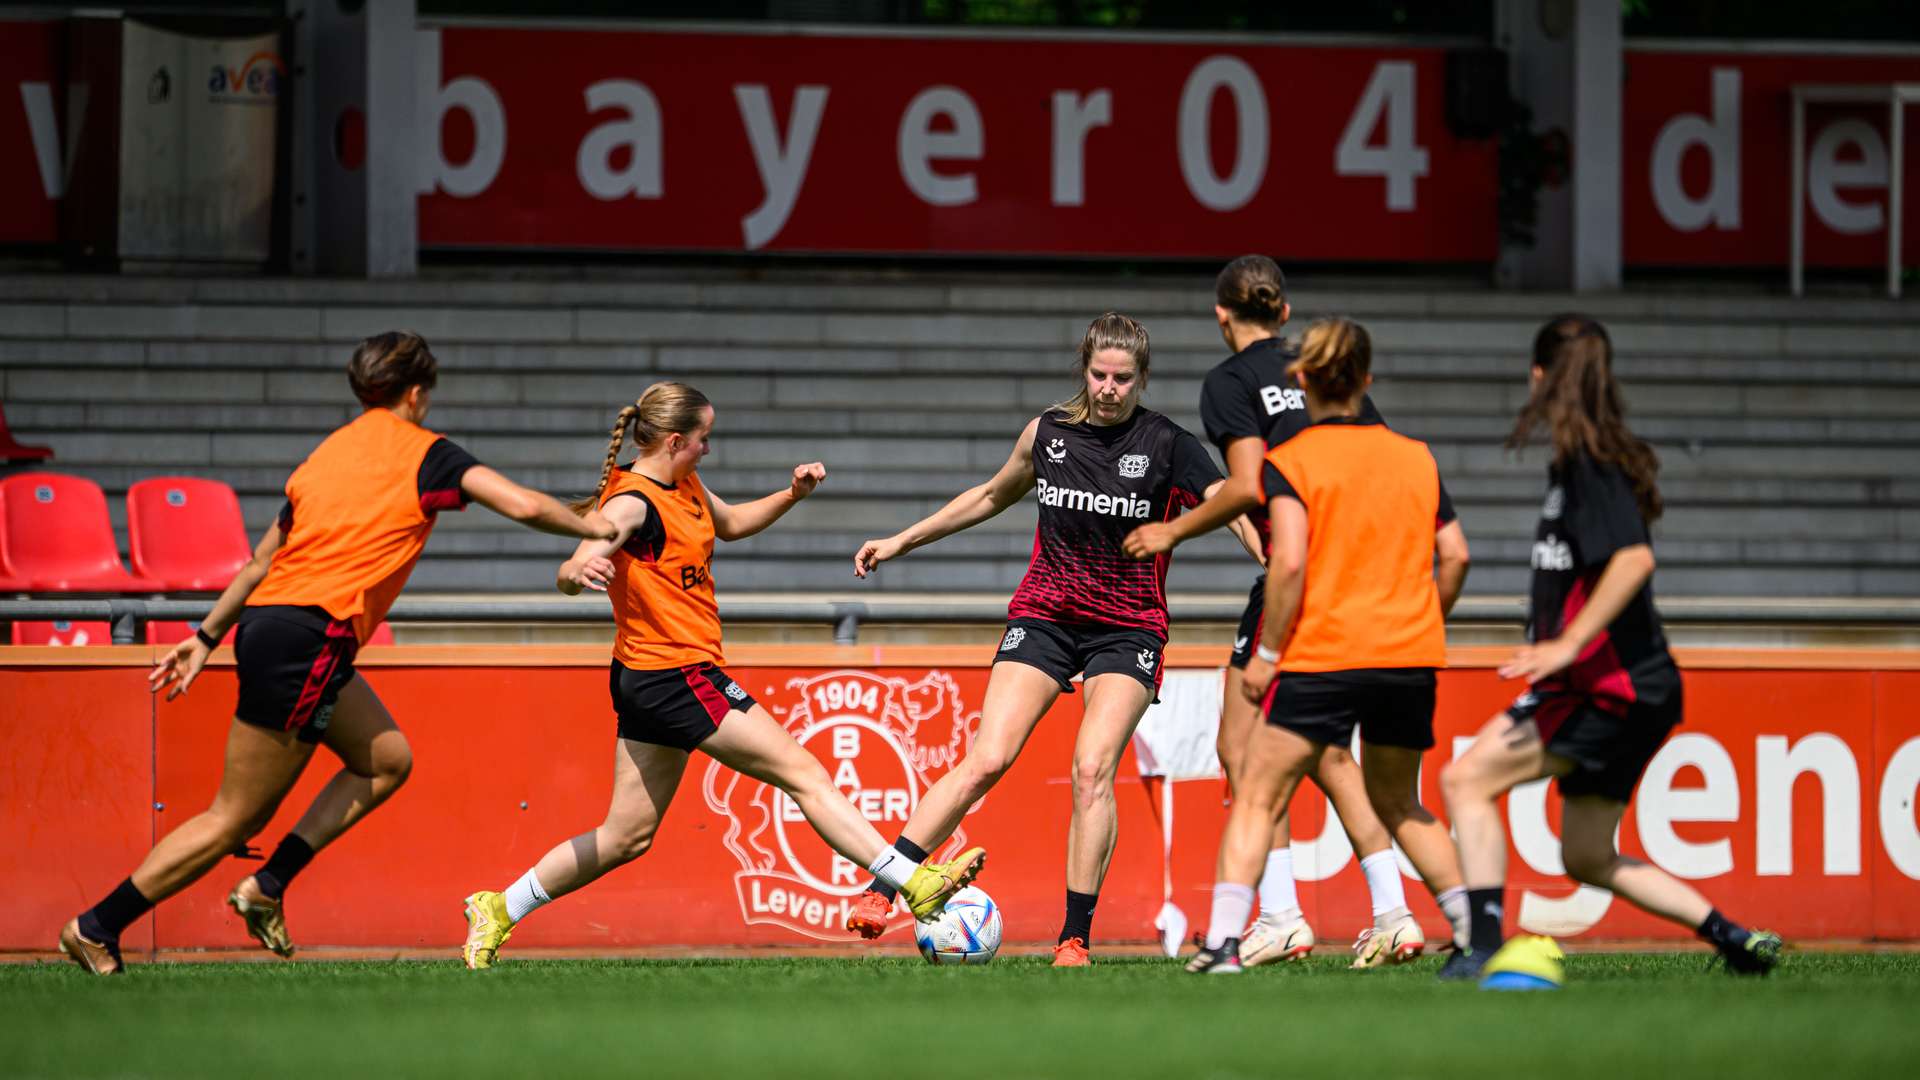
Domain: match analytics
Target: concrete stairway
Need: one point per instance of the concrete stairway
(1789, 430)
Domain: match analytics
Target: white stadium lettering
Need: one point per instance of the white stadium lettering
(1066, 498)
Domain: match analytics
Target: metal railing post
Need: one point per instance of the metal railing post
(127, 619)
(846, 622)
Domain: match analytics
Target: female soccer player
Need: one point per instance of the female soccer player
(1250, 404)
(358, 512)
(1354, 620)
(1603, 692)
(1100, 462)
(670, 694)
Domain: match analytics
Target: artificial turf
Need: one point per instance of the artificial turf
(1620, 1016)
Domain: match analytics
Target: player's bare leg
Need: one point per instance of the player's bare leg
(645, 777)
(1114, 705)
(1280, 932)
(374, 761)
(1504, 755)
(1277, 759)
(1392, 783)
(261, 767)
(1018, 695)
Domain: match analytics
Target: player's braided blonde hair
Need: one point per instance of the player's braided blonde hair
(665, 408)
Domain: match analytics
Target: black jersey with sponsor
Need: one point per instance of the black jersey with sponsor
(1094, 485)
(1590, 513)
(1250, 395)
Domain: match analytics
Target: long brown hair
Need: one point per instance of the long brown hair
(385, 366)
(1336, 356)
(1578, 401)
(1253, 289)
(1110, 331)
(663, 409)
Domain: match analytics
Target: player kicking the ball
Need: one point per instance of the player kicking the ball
(670, 694)
(1603, 692)
(1100, 464)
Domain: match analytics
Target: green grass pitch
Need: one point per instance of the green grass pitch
(1620, 1016)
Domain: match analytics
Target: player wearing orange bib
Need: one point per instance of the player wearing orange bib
(670, 693)
(357, 515)
(1354, 624)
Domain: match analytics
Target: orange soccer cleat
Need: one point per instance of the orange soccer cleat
(869, 915)
(1072, 952)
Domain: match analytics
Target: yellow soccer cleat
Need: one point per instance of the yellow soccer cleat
(266, 919)
(933, 884)
(1527, 962)
(488, 928)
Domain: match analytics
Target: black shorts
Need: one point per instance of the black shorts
(1390, 706)
(678, 707)
(292, 661)
(1064, 650)
(1247, 636)
(1609, 745)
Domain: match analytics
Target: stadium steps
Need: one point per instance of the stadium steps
(1789, 430)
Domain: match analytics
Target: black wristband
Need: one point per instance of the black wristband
(206, 639)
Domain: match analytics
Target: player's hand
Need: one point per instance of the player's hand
(1256, 679)
(598, 525)
(1148, 540)
(1540, 660)
(806, 478)
(595, 573)
(873, 553)
(177, 670)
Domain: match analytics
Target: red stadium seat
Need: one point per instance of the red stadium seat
(14, 451)
(62, 633)
(186, 533)
(171, 632)
(55, 534)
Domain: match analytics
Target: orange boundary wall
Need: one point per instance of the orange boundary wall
(1789, 796)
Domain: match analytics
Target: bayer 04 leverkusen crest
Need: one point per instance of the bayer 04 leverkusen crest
(884, 741)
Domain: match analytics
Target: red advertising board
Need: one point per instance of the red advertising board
(567, 138)
(1708, 152)
(1788, 796)
(32, 105)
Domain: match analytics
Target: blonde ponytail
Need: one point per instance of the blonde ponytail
(665, 408)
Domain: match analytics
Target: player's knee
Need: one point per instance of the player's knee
(1458, 781)
(1589, 867)
(394, 763)
(1092, 781)
(984, 767)
(630, 844)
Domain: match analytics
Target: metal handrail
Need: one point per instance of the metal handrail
(128, 616)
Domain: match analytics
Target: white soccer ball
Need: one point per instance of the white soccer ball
(966, 932)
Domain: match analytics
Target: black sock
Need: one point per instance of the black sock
(291, 857)
(912, 851)
(1079, 916)
(1485, 908)
(1717, 930)
(104, 921)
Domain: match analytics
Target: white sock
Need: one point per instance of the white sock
(524, 896)
(1232, 905)
(893, 867)
(1453, 904)
(1383, 881)
(1277, 895)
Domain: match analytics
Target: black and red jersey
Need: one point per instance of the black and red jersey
(1590, 514)
(1095, 485)
(1250, 395)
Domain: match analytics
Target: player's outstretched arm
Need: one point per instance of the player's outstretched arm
(1230, 499)
(969, 508)
(534, 509)
(1451, 561)
(1243, 529)
(591, 566)
(181, 665)
(1286, 583)
(1625, 573)
(738, 522)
